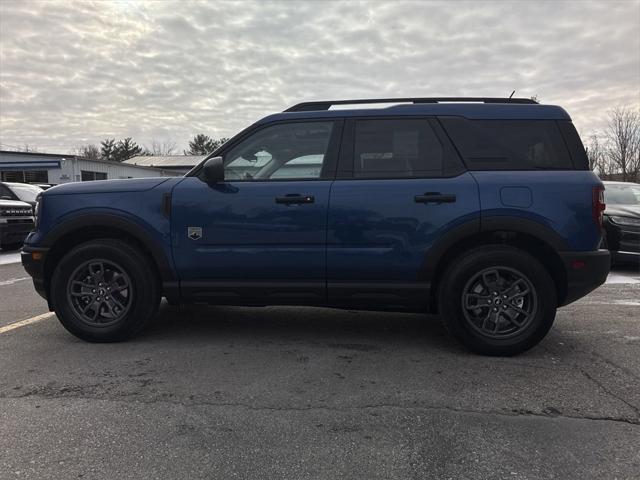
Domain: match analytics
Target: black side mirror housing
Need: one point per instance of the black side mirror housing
(213, 170)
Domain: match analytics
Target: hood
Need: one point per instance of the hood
(623, 210)
(13, 204)
(106, 186)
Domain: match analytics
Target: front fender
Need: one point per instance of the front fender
(156, 240)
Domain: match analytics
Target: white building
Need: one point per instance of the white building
(53, 168)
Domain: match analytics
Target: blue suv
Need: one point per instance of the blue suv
(483, 210)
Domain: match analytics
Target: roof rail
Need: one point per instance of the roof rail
(326, 104)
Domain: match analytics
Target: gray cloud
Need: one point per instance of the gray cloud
(77, 72)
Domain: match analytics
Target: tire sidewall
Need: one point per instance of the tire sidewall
(144, 298)
(467, 266)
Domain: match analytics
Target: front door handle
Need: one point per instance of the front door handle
(295, 199)
(435, 197)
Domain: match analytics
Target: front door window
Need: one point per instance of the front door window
(286, 151)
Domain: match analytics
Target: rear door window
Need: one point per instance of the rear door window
(397, 148)
(509, 144)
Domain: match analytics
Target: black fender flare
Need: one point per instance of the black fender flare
(527, 226)
(487, 225)
(119, 222)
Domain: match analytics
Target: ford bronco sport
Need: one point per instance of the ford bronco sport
(482, 210)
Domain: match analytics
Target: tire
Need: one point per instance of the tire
(129, 287)
(515, 320)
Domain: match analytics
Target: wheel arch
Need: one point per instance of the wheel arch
(92, 226)
(533, 237)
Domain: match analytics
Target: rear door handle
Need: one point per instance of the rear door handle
(295, 198)
(435, 197)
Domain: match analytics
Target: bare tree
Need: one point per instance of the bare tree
(596, 154)
(162, 149)
(27, 148)
(623, 138)
(90, 151)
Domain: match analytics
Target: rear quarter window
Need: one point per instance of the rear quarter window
(509, 144)
(574, 144)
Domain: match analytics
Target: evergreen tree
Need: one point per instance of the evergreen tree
(107, 149)
(126, 149)
(202, 144)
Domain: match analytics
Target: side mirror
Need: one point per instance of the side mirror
(213, 170)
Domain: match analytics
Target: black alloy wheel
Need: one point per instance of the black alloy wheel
(100, 292)
(499, 302)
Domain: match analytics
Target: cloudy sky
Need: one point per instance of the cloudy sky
(73, 73)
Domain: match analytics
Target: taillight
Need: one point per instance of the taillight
(598, 204)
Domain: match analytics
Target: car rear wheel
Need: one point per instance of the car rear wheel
(105, 291)
(497, 300)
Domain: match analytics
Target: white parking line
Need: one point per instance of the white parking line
(11, 281)
(24, 323)
(616, 278)
(7, 258)
(625, 303)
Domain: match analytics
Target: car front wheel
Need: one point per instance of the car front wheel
(105, 291)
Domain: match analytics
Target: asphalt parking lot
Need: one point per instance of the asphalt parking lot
(221, 392)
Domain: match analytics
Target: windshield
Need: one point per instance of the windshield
(622, 194)
(26, 192)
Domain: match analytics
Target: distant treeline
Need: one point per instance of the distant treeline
(113, 150)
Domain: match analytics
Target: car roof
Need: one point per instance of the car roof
(475, 111)
(612, 182)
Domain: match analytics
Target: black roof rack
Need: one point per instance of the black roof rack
(326, 104)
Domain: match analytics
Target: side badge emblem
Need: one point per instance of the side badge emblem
(194, 233)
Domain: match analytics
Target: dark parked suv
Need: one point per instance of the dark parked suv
(622, 221)
(483, 210)
(23, 192)
(16, 221)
